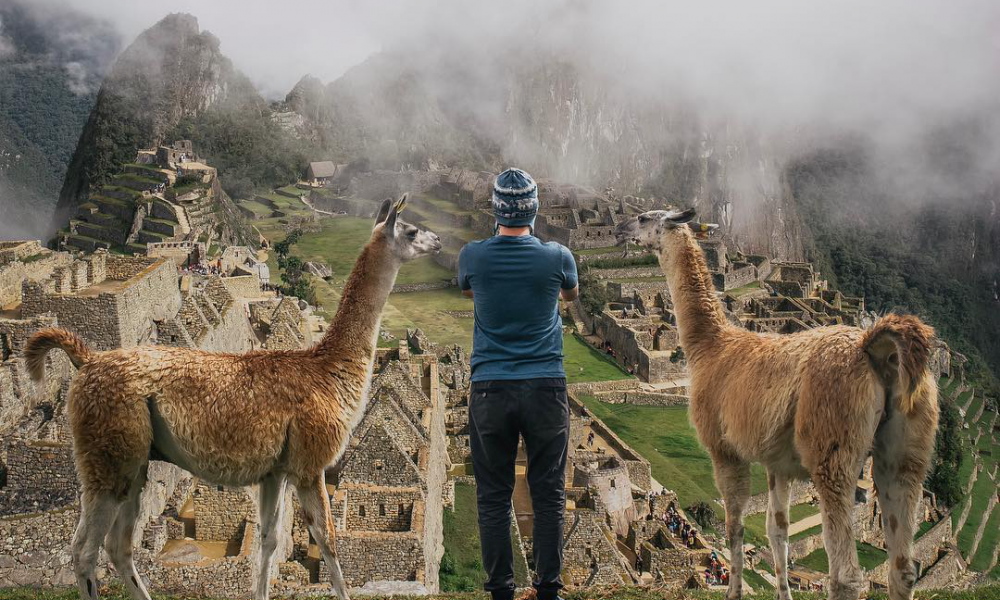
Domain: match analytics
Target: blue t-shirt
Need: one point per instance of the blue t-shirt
(516, 283)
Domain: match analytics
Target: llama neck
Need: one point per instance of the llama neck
(351, 337)
(699, 315)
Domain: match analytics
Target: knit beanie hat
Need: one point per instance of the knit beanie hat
(515, 198)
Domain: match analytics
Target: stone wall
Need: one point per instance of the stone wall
(40, 475)
(12, 274)
(18, 250)
(244, 286)
(120, 318)
(374, 556)
(376, 508)
(220, 512)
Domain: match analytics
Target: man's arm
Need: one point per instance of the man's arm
(467, 293)
(570, 289)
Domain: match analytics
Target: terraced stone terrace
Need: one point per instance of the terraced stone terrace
(977, 516)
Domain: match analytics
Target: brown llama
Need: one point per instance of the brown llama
(807, 405)
(260, 418)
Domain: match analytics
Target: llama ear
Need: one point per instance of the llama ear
(678, 217)
(389, 229)
(702, 229)
(383, 211)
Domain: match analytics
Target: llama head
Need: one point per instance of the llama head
(404, 240)
(651, 228)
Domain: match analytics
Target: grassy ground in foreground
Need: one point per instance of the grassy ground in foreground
(461, 566)
(665, 437)
(116, 592)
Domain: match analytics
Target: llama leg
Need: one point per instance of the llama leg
(777, 530)
(272, 500)
(836, 494)
(316, 512)
(97, 512)
(118, 542)
(733, 479)
(901, 457)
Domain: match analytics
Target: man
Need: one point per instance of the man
(518, 382)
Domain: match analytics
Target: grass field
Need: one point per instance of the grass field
(665, 437)
(461, 567)
(584, 363)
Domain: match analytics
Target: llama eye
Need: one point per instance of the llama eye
(412, 234)
(643, 219)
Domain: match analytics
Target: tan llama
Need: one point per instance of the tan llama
(261, 418)
(808, 405)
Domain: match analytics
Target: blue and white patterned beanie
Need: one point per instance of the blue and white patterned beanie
(515, 198)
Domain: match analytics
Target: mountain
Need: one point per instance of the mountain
(171, 72)
(51, 64)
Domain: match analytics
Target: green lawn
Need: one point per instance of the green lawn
(868, 556)
(665, 437)
(984, 553)
(339, 242)
(757, 581)
(981, 492)
(816, 529)
(974, 407)
(756, 525)
(584, 363)
(590, 251)
(461, 566)
(737, 292)
(447, 205)
(257, 208)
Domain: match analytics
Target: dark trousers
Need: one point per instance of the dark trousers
(499, 412)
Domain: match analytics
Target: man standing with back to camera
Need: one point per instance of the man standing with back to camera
(518, 382)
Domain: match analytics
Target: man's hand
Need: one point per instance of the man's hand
(467, 293)
(570, 295)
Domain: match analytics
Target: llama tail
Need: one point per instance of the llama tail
(899, 348)
(47, 339)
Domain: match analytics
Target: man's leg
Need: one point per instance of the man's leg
(493, 439)
(544, 418)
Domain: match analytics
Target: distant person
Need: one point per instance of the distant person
(518, 382)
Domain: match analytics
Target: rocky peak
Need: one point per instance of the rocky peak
(171, 71)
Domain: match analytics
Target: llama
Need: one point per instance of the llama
(807, 405)
(261, 418)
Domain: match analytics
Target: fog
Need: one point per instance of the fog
(895, 72)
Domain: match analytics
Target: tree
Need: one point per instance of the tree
(942, 479)
(293, 274)
(593, 293)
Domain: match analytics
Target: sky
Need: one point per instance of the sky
(766, 57)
